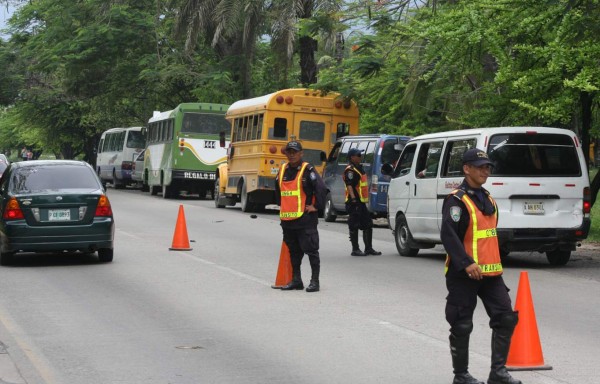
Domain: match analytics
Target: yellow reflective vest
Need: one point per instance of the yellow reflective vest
(481, 239)
(363, 185)
(293, 198)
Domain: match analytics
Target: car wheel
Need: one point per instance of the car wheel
(105, 255)
(217, 194)
(6, 258)
(247, 206)
(558, 257)
(403, 238)
(329, 212)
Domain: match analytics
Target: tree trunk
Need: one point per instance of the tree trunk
(308, 66)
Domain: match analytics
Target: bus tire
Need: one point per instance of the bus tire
(167, 191)
(145, 187)
(154, 190)
(404, 238)
(217, 194)
(247, 206)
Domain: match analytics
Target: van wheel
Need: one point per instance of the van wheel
(404, 238)
(558, 257)
(329, 211)
(118, 184)
(154, 190)
(217, 194)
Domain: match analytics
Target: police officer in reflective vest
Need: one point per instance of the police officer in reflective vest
(473, 268)
(357, 197)
(296, 188)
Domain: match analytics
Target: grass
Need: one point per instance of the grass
(594, 235)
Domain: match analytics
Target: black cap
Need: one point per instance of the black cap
(476, 157)
(354, 152)
(293, 145)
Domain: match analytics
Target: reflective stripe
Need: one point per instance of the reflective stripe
(489, 268)
(363, 185)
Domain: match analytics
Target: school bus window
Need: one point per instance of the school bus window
(280, 128)
(312, 130)
(255, 127)
(170, 135)
(259, 124)
(343, 129)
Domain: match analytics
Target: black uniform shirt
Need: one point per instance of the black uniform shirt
(309, 185)
(453, 231)
(352, 178)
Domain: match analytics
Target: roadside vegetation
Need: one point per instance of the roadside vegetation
(72, 69)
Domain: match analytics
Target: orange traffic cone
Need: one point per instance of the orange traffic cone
(180, 237)
(284, 271)
(525, 349)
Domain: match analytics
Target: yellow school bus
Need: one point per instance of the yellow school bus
(260, 129)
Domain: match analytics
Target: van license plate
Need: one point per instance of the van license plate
(533, 208)
(59, 214)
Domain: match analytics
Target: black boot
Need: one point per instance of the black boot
(459, 348)
(314, 279)
(368, 239)
(296, 282)
(354, 240)
(500, 345)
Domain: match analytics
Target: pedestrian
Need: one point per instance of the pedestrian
(357, 197)
(299, 193)
(24, 153)
(473, 268)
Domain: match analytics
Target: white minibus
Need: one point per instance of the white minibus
(117, 151)
(539, 181)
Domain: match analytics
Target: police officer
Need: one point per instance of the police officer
(473, 268)
(357, 196)
(297, 186)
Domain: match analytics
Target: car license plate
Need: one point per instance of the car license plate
(533, 208)
(59, 214)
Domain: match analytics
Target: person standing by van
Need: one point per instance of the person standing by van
(297, 190)
(357, 196)
(473, 268)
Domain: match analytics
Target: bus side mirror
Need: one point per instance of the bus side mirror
(387, 169)
(222, 139)
(144, 131)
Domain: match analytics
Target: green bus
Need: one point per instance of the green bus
(184, 147)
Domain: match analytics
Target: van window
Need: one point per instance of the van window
(429, 159)
(389, 154)
(453, 156)
(542, 155)
(343, 155)
(405, 161)
(368, 148)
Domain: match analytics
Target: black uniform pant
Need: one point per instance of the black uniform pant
(462, 299)
(359, 217)
(301, 241)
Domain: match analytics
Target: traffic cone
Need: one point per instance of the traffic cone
(181, 241)
(525, 351)
(284, 271)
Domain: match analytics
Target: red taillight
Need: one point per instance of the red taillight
(103, 208)
(587, 200)
(13, 210)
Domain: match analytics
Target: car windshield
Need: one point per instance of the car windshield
(52, 177)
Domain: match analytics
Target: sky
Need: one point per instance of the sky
(4, 16)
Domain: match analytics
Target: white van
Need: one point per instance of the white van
(540, 183)
(117, 150)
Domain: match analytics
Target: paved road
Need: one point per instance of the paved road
(209, 315)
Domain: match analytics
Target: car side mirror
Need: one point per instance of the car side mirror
(323, 156)
(387, 169)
